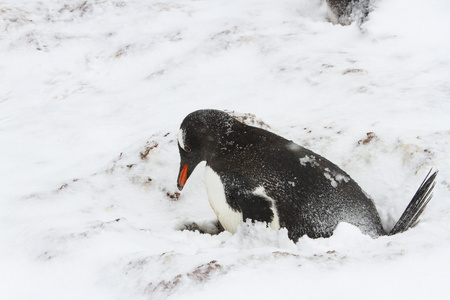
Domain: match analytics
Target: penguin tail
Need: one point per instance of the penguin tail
(415, 208)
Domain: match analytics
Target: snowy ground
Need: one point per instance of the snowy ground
(92, 93)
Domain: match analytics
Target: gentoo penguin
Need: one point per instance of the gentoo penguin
(254, 174)
(345, 11)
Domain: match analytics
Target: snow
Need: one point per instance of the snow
(311, 160)
(92, 93)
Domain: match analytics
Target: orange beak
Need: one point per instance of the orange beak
(183, 176)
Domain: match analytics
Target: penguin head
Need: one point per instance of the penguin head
(198, 138)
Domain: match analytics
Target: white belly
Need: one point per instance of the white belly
(228, 217)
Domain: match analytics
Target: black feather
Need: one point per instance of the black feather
(410, 216)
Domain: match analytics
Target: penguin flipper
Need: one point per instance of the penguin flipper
(254, 206)
(257, 208)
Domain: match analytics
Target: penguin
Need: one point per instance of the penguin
(345, 11)
(254, 174)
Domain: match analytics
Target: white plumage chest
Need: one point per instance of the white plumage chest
(228, 217)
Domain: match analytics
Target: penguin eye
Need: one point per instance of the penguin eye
(187, 149)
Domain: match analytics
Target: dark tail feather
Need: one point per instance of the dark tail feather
(417, 205)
